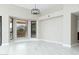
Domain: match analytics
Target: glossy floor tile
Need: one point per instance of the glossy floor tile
(37, 48)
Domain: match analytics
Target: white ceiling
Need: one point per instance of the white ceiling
(39, 6)
(42, 7)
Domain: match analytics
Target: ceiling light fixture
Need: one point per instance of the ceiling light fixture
(35, 11)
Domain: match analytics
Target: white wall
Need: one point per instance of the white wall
(5, 12)
(51, 29)
(66, 25)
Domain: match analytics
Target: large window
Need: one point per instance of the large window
(21, 28)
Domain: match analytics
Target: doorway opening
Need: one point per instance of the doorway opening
(75, 28)
(78, 28)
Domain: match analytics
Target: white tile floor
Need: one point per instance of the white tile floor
(37, 48)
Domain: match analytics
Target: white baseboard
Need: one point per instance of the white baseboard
(31, 39)
(52, 41)
(5, 44)
(34, 39)
(65, 45)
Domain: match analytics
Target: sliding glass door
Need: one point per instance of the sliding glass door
(22, 26)
(33, 29)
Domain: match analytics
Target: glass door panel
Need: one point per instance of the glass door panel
(33, 29)
(22, 26)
